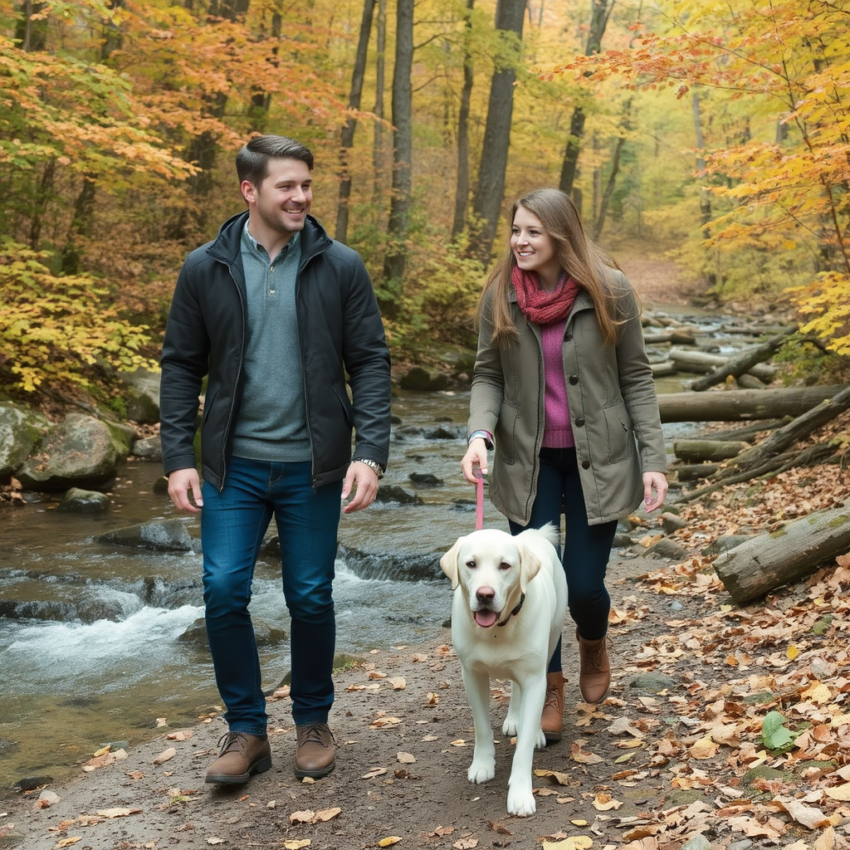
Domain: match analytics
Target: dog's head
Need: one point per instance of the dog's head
(493, 570)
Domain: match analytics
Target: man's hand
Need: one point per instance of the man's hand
(363, 480)
(180, 483)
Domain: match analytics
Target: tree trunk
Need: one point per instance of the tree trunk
(395, 258)
(347, 139)
(609, 188)
(80, 226)
(744, 362)
(380, 86)
(490, 190)
(462, 191)
(738, 405)
(770, 560)
(600, 11)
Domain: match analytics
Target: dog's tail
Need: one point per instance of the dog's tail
(550, 533)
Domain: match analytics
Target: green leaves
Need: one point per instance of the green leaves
(774, 735)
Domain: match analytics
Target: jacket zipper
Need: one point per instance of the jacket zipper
(301, 268)
(235, 385)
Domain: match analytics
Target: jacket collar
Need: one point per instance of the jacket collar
(227, 245)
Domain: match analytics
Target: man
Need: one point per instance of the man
(275, 313)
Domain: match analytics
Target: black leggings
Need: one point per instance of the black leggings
(587, 548)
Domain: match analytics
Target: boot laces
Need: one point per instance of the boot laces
(313, 734)
(551, 696)
(237, 741)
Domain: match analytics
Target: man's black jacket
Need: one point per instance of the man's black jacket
(340, 330)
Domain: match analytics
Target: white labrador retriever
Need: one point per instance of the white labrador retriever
(510, 599)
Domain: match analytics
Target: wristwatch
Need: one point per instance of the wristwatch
(373, 465)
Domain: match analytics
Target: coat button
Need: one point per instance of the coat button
(573, 379)
(585, 464)
(580, 422)
(569, 337)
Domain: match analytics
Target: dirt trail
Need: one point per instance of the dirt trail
(426, 803)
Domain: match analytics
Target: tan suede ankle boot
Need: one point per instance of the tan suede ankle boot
(594, 679)
(552, 720)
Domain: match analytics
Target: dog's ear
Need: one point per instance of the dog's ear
(449, 562)
(529, 566)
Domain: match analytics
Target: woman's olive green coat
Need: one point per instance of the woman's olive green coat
(611, 395)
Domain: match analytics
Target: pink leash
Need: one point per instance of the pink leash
(479, 501)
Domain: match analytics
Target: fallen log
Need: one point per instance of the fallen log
(703, 362)
(747, 382)
(798, 428)
(663, 369)
(710, 450)
(743, 363)
(695, 471)
(740, 405)
(771, 560)
(727, 475)
(748, 433)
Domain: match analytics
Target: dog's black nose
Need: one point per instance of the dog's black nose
(485, 594)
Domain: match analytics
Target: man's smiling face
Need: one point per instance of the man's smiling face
(283, 199)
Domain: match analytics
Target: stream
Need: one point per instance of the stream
(89, 647)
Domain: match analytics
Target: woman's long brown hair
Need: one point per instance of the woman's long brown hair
(578, 256)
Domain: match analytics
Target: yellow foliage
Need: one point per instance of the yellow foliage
(55, 329)
(827, 301)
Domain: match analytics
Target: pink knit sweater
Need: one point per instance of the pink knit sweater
(557, 432)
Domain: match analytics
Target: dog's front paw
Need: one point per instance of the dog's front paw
(510, 726)
(540, 743)
(521, 801)
(481, 771)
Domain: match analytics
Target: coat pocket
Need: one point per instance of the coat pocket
(621, 441)
(506, 433)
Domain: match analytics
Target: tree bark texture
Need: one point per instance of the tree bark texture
(770, 560)
(600, 11)
(462, 189)
(380, 85)
(395, 258)
(737, 405)
(490, 189)
(347, 135)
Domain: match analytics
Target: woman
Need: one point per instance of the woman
(563, 391)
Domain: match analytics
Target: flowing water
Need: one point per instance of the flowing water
(89, 648)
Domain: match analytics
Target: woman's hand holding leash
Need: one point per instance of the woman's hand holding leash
(475, 460)
(654, 490)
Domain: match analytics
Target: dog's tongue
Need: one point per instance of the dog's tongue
(485, 619)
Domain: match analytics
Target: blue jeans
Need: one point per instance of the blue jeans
(587, 548)
(233, 523)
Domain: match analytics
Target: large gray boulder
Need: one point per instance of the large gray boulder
(20, 432)
(80, 452)
(170, 535)
(142, 396)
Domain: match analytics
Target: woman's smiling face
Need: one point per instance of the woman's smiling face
(534, 249)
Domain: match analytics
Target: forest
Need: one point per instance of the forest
(714, 132)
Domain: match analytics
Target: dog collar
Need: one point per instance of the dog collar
(514, 612)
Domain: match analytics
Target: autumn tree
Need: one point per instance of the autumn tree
(490, 188)
(780, 204)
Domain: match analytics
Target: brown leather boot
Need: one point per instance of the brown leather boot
(594, 680)
(315, 751)
(552, 720)
(241, 755)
